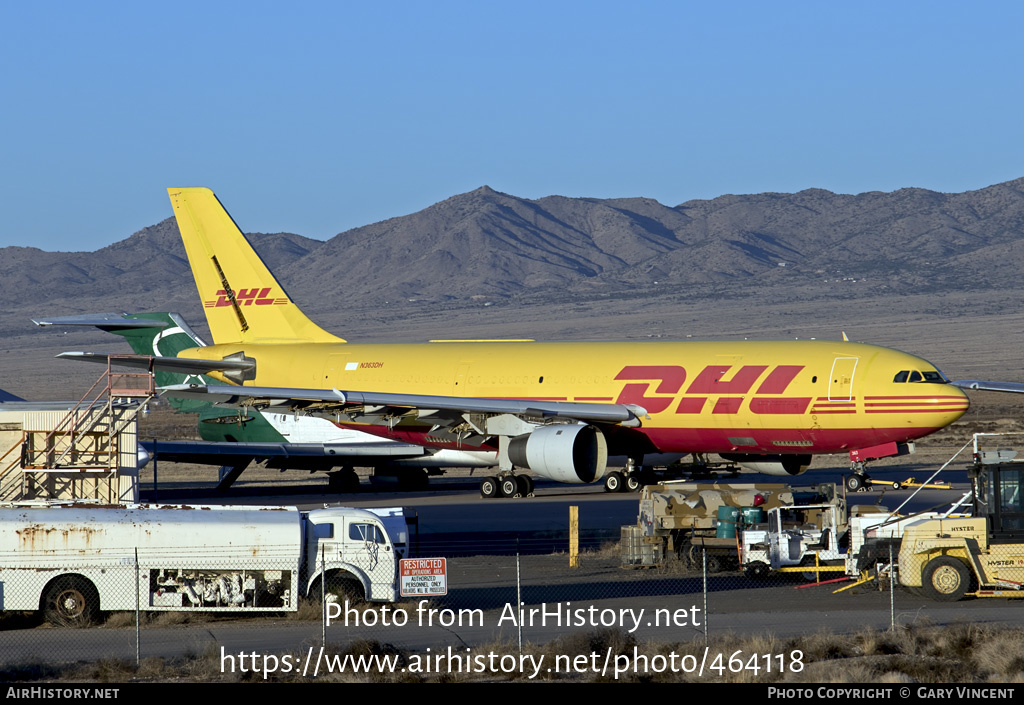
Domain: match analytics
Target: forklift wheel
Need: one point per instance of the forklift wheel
(945, 579)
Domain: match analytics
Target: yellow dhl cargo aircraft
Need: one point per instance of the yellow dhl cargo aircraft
(557, 409)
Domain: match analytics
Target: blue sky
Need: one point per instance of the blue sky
(326, 116)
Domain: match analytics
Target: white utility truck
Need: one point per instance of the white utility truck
(73, 561)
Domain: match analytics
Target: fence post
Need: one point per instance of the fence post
(323, 596)
(892, 592)
(519, 599)
(574, 536)
(704, 570)
(138, 612)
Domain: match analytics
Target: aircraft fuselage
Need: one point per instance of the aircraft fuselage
(775, 397)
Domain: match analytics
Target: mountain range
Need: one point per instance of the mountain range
(485, 247)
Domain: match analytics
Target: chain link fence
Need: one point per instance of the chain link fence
(264, 612)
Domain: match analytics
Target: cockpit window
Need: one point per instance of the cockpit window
(930, 376)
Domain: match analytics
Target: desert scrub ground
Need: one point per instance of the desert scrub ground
(920, 653)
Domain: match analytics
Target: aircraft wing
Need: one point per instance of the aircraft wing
(990, 386)
(424, 407)
(169, 364)
(224, 453)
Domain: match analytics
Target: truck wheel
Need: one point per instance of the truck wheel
(812, 576)
(715, 564)
(339, 589)
(758, 570)
(613, 483)
(71, 602)
(489, 487)
(897, 486)
(945, 579)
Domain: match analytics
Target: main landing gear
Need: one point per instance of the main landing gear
(632, 478)
(506, 486)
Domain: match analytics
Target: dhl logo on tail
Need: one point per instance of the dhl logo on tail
(246, 297)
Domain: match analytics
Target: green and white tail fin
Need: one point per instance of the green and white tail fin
(156, 334)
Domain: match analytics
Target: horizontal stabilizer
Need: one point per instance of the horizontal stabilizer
(103, 321)
(169, 364)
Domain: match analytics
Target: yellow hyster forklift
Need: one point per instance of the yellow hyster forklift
(982, 555)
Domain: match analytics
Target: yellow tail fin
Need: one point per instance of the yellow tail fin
(242, 299)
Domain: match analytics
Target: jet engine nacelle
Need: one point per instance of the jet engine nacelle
(783, 465)
(572, 453)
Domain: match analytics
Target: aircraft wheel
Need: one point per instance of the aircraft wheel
(509, 487)
(854, 482)
(945, 579)
(613, 482)
(525, 483)
(633, 483)
(489, 487)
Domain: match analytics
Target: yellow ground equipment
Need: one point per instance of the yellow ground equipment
(948, 558)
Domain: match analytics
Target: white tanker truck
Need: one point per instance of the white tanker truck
(73, 561)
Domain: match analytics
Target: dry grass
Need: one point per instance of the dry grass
(963, 653)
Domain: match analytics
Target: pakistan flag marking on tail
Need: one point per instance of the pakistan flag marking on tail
(166, 336)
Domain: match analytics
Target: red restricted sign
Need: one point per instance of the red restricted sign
(423, 577)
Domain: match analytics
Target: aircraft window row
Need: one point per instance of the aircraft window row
(915, 376)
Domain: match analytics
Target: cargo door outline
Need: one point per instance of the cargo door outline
(840, 381)
(461, 381)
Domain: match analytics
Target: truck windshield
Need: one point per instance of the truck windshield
(366, 532)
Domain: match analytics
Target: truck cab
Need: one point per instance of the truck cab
(796, 535)
(352, 548)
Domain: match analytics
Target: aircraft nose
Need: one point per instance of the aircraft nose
(952, 404)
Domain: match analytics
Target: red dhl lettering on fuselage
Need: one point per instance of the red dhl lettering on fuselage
(246, 297)
(714, 380)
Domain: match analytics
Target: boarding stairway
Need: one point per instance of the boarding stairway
(96, 438)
